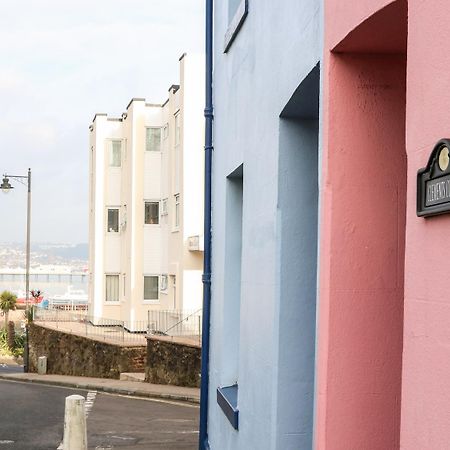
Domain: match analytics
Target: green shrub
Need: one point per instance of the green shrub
(11, 335)
(19, 344)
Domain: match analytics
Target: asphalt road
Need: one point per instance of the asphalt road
(32, 418)
(136, 424)
(6, 368)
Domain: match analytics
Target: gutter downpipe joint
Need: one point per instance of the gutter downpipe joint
(209, 117)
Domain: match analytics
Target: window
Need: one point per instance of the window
(177, 210)
(164, 211)
(174, 285)
(166, 131)
(237, 12)
(151, 213)
(163, 285)
(153, 140)
(151, 287)
(112, 288)
(113, 220)
(176, 168)
(177, 128)
(115, 158)
(233, 5)
(231, 319)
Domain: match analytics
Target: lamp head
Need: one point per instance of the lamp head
(6, 185)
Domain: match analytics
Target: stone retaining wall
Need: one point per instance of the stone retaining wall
(69, 354)
(171, 362)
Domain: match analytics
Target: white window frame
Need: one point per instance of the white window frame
(150, 301)
(177, 121)
(116, 208)
(110, 153)
(160, 139)
(176, 212)
(164, 283)
(112, 302)
(163, 208)
(165, 132)
(159, 213)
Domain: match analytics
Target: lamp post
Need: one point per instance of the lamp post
(6, 187)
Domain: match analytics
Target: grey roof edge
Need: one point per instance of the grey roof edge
(135, 99)
(98, 115)
(174, 88)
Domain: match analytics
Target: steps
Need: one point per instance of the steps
(129, 376)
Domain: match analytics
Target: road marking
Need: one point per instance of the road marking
(6, 441)
(157, 400)
(179, 432)
(89, 403)
(124, 438)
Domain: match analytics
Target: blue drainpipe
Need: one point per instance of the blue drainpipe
(203, 436)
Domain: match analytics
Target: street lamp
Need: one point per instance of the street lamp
(6, 187)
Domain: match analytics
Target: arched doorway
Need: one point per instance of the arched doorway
(363, 236)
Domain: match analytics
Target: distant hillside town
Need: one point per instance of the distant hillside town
(75, 256)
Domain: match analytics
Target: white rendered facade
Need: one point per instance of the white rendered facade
(146, 204)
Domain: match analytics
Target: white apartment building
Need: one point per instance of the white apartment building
(146, 204)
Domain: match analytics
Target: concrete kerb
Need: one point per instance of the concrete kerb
(104, 388)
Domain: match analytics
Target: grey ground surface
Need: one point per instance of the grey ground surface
(7, 368)
(142, 424)
(32, 417)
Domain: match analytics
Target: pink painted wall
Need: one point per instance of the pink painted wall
(360, 315)
(362, 229)
(426, 358)
(343, 16)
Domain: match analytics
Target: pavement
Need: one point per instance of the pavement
(122, 387)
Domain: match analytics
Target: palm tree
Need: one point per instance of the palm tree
(7, 303)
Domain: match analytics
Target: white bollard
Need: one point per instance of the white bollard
(42, 365)
(75, 434)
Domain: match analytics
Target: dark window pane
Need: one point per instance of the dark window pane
(152, 213)
(113, 220)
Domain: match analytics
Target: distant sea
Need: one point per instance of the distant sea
(48, 258)
(50, 286)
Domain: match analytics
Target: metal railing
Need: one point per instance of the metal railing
(99, 328)
(68, 306)
(172, 323)
(175, 323)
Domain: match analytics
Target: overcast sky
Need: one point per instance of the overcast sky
(61, 62)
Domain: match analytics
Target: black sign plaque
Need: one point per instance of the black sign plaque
(433, 182)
